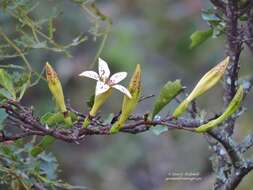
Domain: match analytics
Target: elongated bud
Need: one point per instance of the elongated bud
(129, 104)
(181, 108)
(232, 107)
(55, 87)
(205, 83)
(209, 79)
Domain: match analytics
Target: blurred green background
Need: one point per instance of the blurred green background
(155, 34)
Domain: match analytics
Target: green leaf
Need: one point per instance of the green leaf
(49, 166)
(43, 145)
(169, 91)
(159, 129)
(52, 118)
(209, 16)
(198, 37)
(216, 23)
(20, 78)
(6, 82)
(7, 150)
(243, 18)
(49, 119)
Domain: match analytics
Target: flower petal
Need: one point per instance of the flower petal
(90, 74)
(101, 87)
(117, 77)
(122, 89)
(103, 69)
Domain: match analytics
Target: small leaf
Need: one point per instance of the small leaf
(52, 118)
(7, 150)
(209, 16)
(169, 91)
(6, 82)
(243, 18)
(48, 166)
(198, 37)
(43, 145)
(159, 129)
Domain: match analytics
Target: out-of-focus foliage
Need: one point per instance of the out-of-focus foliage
(13, 84)
(35, 32)
(7, 84)
(28, 29)
(18, 170)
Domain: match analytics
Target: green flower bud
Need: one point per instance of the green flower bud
(205, 83)
(129, 104)
(55, 87)
(181, 108)
(232, 107)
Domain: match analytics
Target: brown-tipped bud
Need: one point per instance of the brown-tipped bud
(135, 83)
(55, 87)
(129, 104)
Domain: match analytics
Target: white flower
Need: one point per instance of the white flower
(104, 81)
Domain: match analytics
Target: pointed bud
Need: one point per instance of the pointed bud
(55, 87)
(205, 83)
(129, 104)
(232, 107)
(181, 108)
(209, 79)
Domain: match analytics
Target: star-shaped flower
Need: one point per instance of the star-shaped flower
(104, 81)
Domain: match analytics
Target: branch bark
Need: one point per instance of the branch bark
(24, 120)
(233, 50)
